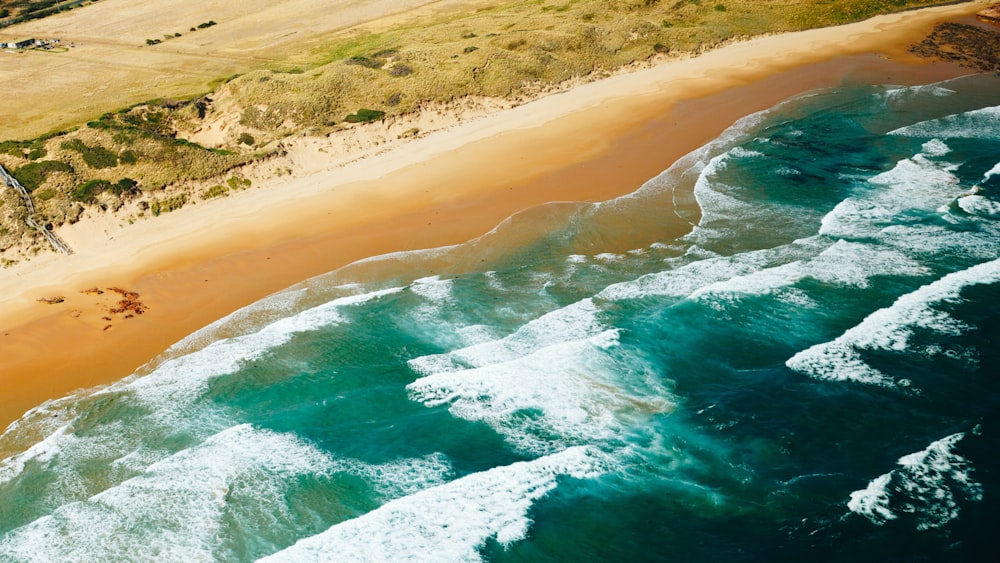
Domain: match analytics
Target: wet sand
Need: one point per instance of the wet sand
(595, 142)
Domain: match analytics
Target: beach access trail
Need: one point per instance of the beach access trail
(594, 142)
(55, 241)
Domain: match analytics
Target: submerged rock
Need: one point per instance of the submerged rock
(990, 15)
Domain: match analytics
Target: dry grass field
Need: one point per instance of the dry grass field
(149, 77)
(107, 63)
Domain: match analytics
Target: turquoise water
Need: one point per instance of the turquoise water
(812, 372)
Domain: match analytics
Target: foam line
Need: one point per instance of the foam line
(842, 264)
(980, 124)
(174, 510)
(573, 322)
(565, 394)
(451, 522)
(912, 184)
(891, 328)
(995, 171)
(41, 451)
(183, 379)
(927, 484)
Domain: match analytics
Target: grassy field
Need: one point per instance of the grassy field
(280, 67)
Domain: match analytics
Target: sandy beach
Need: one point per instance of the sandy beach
(594, 142)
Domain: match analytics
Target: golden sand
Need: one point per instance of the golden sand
(592, 143)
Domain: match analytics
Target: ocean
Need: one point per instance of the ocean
(811, 373)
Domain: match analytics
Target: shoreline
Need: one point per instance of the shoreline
(191, 268)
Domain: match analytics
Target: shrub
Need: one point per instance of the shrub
(36, 153)
(470, 49)
(167, 205)
(13, 148)
(46, 194)
(364, 116)
(235, 183)
(95, 156)
(125, 186)
(400, 70)
(209, 23)
(720, 7)
(87, 191)
(363, 61)
(215, 191)
(33, 175)
(247, 139)
(515, 45)
(128, 157)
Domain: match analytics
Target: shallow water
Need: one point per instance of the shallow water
(811, 372)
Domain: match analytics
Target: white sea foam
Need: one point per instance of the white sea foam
(935, 147)
(927, 484)
(171, 388)
(913, 184)
(740, 152)
(976, 124)
(842, 264)
(180, 381)
(433, 289)
(890, 329)
(567, 393)
(40, 452)
(980, 206)
(573, 322)
(403, 477)
(685, 280)
(451, 522)
(175, 509)
(995, 171)
(710, 194)
(906, 94)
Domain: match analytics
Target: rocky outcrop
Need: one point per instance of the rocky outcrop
(990, 15)
(971, 46)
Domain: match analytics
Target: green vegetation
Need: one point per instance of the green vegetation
(87, 192)
(167, 205)
(95, 156)
(45, 195)
(513, 49)
(125, 186)
(364, 116)
(217, 190)
(128, 157)
(32, 150)
(235, 183)
(33, 175)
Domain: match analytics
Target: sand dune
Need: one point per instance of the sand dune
(602, 139)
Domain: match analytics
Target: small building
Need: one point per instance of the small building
(24, 43)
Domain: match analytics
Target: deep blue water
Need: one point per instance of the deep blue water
(810, 373)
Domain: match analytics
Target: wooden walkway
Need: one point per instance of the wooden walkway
(55, 241)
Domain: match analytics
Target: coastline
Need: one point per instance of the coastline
(594, 142)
